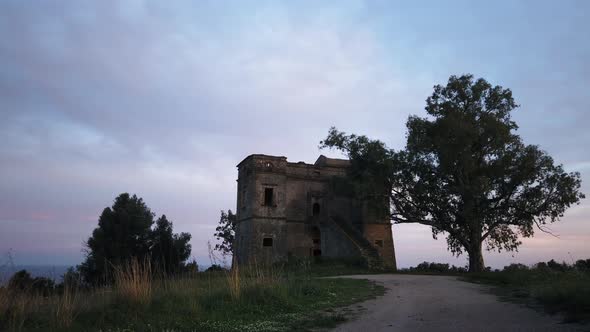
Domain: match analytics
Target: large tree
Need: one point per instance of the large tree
(168, 250)
(464, 172)
(125, 232)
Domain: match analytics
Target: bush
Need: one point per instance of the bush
(553, 265)
(214, 268)
(436, 268)
(516, 267)
(22, 281)
(582, 265)
(559, 287)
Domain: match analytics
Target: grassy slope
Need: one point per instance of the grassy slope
(260, 301)
(567, 292)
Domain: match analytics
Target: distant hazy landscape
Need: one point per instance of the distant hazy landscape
(54, 272)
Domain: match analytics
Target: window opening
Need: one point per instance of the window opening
(268, 196)
(316, 209)
(267, 242)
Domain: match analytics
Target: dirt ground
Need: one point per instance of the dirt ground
(439, 303)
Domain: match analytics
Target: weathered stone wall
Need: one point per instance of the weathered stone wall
(258, 221)
(382, 233)
(301, 196)
(289, 221)
(335, 244)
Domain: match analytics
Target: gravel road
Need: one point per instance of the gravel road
(439, 303)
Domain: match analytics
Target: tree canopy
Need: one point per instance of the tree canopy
(125, 232)
(464, 171)
(168, 250)
(225, 232)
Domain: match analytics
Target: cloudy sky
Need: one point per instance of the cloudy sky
(165, 98)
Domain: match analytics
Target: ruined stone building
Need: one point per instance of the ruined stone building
(289, 209)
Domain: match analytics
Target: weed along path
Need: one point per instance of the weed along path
(440, 303)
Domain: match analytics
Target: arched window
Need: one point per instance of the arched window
(316, 209)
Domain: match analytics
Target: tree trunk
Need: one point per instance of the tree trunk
(475, 258)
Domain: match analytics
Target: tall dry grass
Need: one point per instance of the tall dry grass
(234, 281)
(264, 274)
(137, 282)
(17, 307)
(133, 281)
(4, 302)
(66, 306)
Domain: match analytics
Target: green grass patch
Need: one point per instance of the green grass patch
(253, 300)
(566, 292)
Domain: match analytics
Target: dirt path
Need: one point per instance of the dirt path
(437, 303)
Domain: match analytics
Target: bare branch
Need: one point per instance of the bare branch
(544, 229)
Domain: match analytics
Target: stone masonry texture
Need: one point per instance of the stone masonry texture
(287, 209)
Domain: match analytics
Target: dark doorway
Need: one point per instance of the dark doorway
(316, 209)
(317, 252)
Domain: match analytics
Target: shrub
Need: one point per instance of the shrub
(426, 267)
(215, 267)
(515, 267)
(553, 265)
(582, 264)
(559, 287)
(22, 281)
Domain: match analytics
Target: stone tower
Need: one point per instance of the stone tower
(289, 209)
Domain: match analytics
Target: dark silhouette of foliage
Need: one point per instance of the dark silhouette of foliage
(444, 268)
(125, 232)
(225, 232)
(22, 281)
(72, 277)
(169, 250)
(582, 265)
(191, 267)
(464, 171)
(43, 286)
(516, 267)
(215, 267)
(555, 266)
